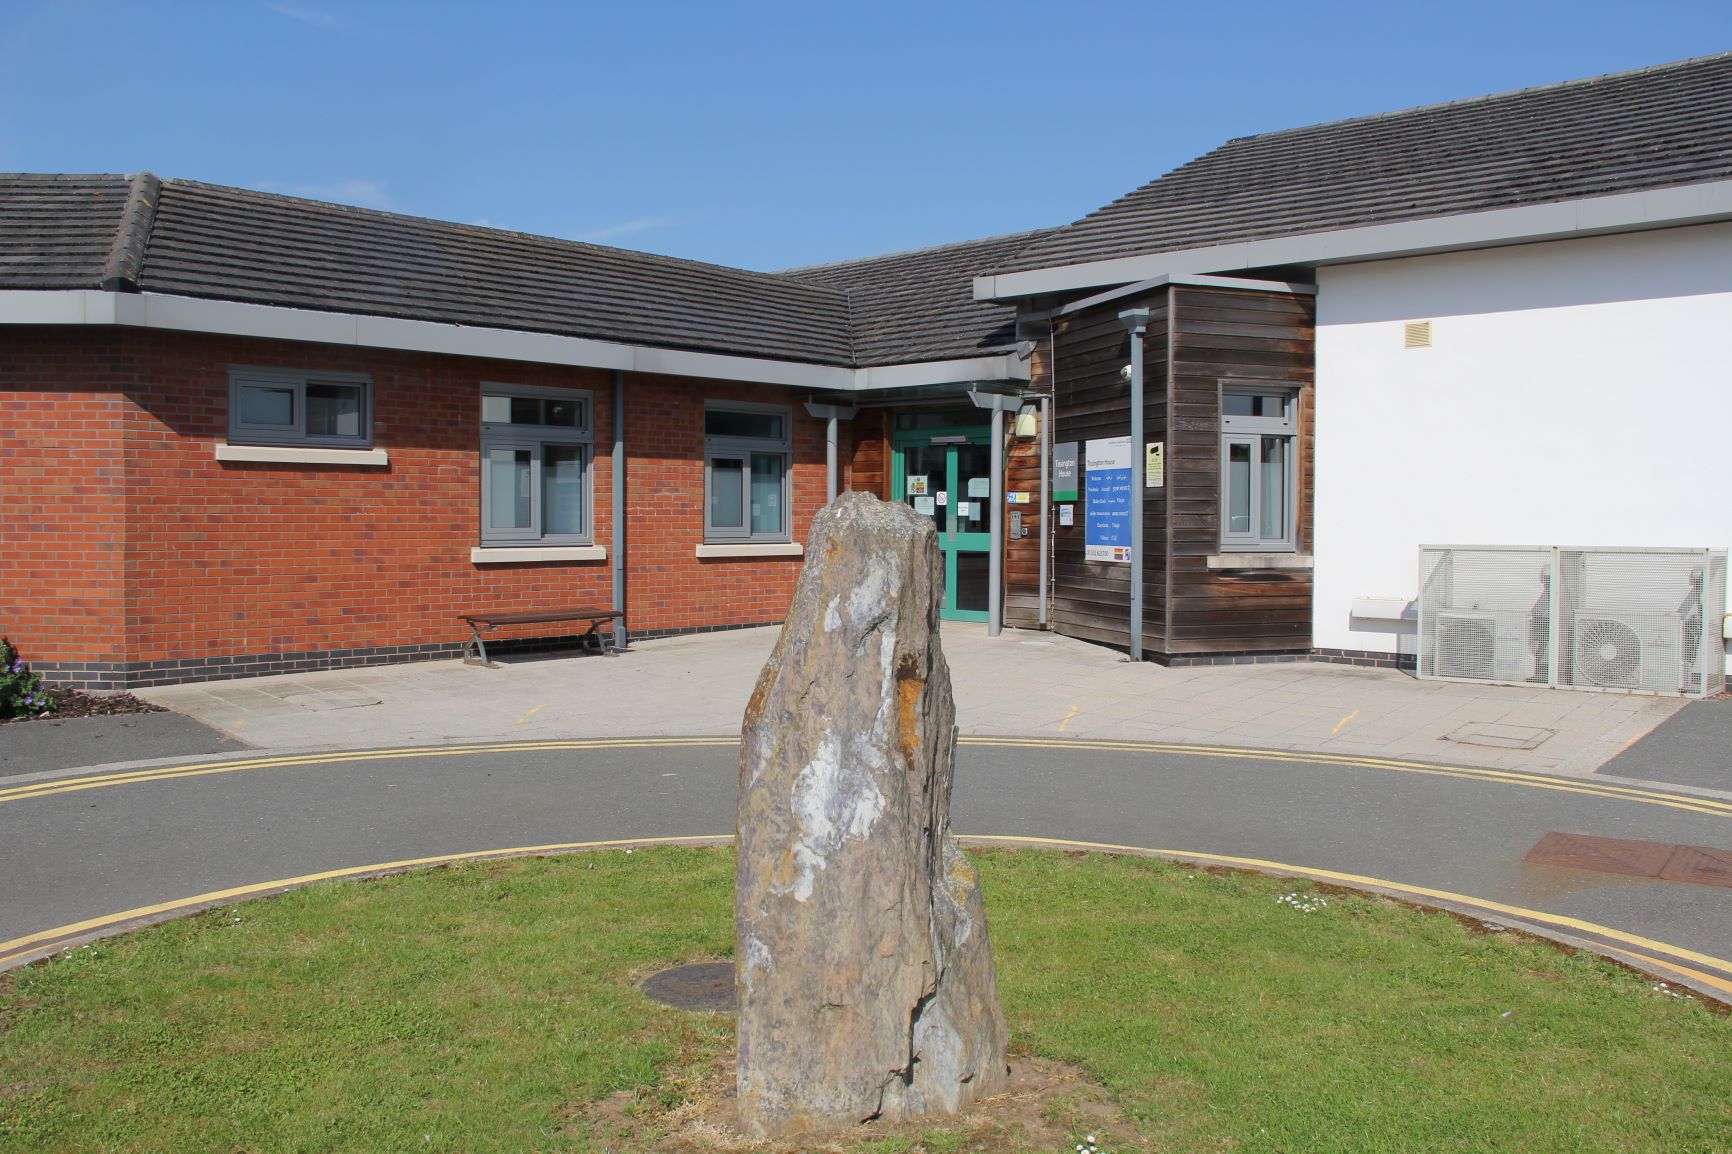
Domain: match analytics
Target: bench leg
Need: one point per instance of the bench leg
(477, 654)
(592, 639)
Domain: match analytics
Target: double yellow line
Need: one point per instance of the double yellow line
(1582, 786)
(244, 765)
(1644, 953)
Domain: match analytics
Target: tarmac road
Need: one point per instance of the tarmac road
(83, 852)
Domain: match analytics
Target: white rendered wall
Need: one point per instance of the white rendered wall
(1576, 393)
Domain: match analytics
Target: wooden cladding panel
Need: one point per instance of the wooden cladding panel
(1222, 337)
(1091, 599)
(869, 464)
(1199, 338)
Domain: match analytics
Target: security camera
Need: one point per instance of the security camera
(1125, 373)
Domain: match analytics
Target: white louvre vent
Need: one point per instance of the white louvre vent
(1639, 620)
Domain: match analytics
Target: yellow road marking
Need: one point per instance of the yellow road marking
(1584, 787)
(1343, 722)
(31, 944)
(170, 772)
(1361, 881)
(1065, 724)
(532, 712)
(12, 949)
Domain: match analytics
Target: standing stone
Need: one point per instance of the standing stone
(863, 972)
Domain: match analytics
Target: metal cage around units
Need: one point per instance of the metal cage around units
(1631, 620)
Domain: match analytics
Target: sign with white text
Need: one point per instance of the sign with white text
(1107, 489)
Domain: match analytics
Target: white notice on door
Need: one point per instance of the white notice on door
(980, 486)
(917, 485)
(943, 497)
(925, 506)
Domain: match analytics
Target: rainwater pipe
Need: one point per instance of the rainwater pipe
(617, 479)
(830, 414)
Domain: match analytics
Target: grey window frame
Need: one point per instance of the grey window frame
(296, 380)
(743, 448)
(1253, 431)
(535, 438)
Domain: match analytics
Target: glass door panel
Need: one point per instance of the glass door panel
(923, 478)
(947, 475)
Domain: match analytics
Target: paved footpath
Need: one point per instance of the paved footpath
(1019, 683)
(88, 851)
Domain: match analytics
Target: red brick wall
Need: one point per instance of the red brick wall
(173, 555)
(62, 497)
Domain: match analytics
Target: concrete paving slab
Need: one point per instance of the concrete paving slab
(1018, 683)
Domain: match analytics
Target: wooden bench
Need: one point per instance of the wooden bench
(476, 654)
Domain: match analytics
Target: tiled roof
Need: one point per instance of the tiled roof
(918, 305)
(68, 232)
(202, 240)
(57, 231)
(1667, 125)
(252, 246)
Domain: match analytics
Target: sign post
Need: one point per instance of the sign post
(1137, 322)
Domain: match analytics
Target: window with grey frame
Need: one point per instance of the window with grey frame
(1259, 427)
(747, 450)
(294, 407)
(535, 454)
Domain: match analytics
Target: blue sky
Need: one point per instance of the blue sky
(762, 135)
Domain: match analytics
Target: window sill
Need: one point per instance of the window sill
(1298, 561)
(301, 455)
(744, 549)
(517, 555)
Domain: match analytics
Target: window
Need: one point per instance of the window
(746, 453)
(1257, 469)
(535, 452)
(289, 407)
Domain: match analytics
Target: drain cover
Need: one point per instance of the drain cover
(699, 986)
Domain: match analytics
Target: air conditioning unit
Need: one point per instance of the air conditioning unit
(1630, 651)
(1483, 645)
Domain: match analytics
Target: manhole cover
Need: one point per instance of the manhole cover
(699, 986)
(1496, 735)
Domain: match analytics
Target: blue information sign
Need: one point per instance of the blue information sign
(1107, 489)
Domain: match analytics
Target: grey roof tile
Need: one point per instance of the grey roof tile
(919, 305)
(56, 231)
(233, 244)
(1660, 126)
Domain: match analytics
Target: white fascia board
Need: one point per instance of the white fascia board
(231, 318)
(1002, 367)
(1143, 286)
(1593, 216)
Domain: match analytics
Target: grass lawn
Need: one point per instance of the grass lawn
(493, 1007)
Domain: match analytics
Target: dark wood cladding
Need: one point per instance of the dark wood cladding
(1090, 599)
(1200, 341)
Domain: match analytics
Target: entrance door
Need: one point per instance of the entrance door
(946, 474)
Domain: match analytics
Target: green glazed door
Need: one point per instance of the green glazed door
(948, 476)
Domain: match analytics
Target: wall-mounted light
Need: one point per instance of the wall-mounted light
(1027, 423)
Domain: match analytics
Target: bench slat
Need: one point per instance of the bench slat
(542, 615)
